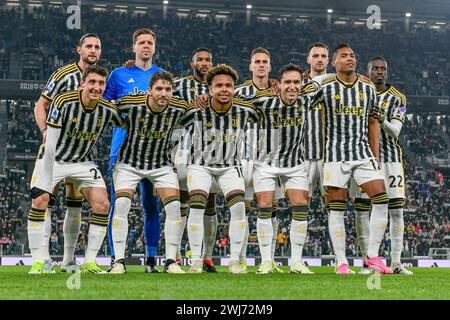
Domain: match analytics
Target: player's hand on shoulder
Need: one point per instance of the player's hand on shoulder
(274, 85)
(129, 64)
(201, 101)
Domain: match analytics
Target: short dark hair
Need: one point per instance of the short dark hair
(287, 68)
(94, 69)
(161, 75)
(142, 31)
(201, 49)
(338, 47)
(317, 45)
(260, 50)
(221, 69)
(87, 35)
(376, 58)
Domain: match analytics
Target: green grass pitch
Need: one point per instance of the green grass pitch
(426, 283)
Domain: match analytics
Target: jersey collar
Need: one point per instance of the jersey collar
(85, 108)
(220, 113)
(347, 85)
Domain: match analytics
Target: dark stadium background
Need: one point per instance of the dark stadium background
(35, 40)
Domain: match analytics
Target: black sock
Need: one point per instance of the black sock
(169, 262)
(151, 261)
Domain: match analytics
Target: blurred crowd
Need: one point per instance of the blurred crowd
(40, 40)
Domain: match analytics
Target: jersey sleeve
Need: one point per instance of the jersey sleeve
(55, 117)
(111, 87)
(188, 118)
(177, 92)
(399, 111)
(254, 115)
(116, 119)
(375, 110)
(53, 87)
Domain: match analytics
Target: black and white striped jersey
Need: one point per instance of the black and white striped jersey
(248, 91)
(393, 103)
(217, 137)
(147, 143)
(64, 79)
(188, 88)
(314, 128)
(81, 126)
(347, 108)
(280, 137)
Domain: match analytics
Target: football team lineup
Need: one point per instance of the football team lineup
(190, 138)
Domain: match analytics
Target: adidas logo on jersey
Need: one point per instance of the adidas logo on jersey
(131, 80)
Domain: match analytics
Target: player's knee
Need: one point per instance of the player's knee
(265, 213)
(396, 203)
(100, 206)
(380, 198)
(41, 201)
(300, 212)
(198, 201)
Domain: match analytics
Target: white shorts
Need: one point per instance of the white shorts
(127, 177)
(394, 181)
(38, 170)
(201, 177)
(314, 169)
(338, 174)
(181, 157)
(81, 175)
(266, 178)
(247, 170)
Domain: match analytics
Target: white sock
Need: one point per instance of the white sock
(265, 233)
(183, 207)
(95, 240)
(120, 226)
(172, 228)
(298, 237)
(183, 227)
(237, 229)
(36, 233)
(210, 223)
(195, 232)
(243, 255)
(336, 228)
(377, 226)
(47, 234)
(71, 231)
(396, 231)
(362, 230)
(274, 237)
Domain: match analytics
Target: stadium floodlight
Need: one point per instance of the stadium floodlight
(330, 10)
(249, 6)
(165, 2)
(408, 14)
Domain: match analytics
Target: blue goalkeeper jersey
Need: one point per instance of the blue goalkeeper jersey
(122, 82)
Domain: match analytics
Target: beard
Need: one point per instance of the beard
(87, 61)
